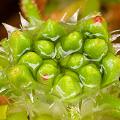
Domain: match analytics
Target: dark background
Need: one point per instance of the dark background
(9, 13)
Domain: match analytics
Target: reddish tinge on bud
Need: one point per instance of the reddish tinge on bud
(45, 77)
(97, 19)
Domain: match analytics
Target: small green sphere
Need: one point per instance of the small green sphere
(95, 48)
(45, 49)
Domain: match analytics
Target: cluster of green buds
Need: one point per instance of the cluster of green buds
(68, 65)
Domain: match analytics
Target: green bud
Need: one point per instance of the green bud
(76, 61)
(90, 77)
(96, 26)
(45, 49)
(32, 61)
(66, 88)
(51, 31)
(111, 66)
(47, 73)
(73, 42)
(20, 43)
(96, 49)
(20, 76)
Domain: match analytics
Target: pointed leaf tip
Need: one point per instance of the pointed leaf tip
(24, 22)
(9, 29)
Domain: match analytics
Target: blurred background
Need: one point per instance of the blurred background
(9, 13)
(110, 9)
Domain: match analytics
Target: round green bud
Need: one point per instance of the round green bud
(76, 61)
(111, 66)
(66, 88)
(90, 77)
(20, 76)
(47, 73)
(45, 49)
(51, 30)
(96, 25)
(32, 61)
(96, 49)
(20, 43)
(73, 42)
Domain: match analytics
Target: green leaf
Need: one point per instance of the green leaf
(31, 10)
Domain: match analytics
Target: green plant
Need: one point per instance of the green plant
(66, 70)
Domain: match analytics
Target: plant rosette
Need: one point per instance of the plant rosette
(61, 71)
